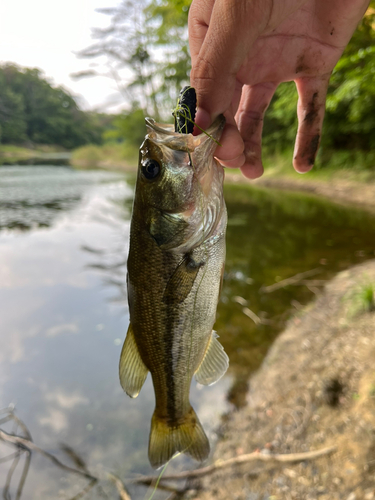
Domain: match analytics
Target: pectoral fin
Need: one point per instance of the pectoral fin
(181, 281)
(214, 364)
(133, 371)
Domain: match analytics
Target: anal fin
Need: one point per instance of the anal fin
(214, 364)
(133, 371)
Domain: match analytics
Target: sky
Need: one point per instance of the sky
(46, 34)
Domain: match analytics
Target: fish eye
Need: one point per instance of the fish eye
(151, 169)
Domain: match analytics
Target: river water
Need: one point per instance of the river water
(64, 237)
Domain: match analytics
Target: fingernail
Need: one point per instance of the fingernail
(233, 163)
(300, 165)
(252, 171)
(203, 119)
(303, 170)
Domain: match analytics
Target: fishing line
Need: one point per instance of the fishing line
(159, 477)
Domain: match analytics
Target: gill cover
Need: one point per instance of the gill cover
(177, 185)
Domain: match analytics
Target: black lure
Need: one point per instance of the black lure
(187, 100)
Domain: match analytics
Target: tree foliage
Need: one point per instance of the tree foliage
(148, 39)
(33, 111)
(351, 99)
(145, 49)
(350, 112)
(128, 127)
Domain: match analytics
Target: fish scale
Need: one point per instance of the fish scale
(175, 267)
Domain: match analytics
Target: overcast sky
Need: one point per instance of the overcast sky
(46, 33)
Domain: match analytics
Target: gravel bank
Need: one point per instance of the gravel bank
(316, 388)
(340, 190)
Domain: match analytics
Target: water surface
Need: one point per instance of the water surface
(63, 246)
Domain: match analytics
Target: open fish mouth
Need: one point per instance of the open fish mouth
(164, 134)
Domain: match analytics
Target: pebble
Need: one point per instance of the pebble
(303, 480)
(265, 451)
(280, 481)
(290, 473)
(252, 496)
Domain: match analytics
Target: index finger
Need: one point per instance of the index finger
(220, 35)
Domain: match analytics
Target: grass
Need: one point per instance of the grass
(354, 165)
(361, 299)
(11, 154)
(110, 155)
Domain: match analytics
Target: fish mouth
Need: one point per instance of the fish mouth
(164, 134)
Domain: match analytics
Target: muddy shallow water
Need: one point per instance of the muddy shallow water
(63, 246)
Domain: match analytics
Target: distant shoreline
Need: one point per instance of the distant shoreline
(341, 187)
(338, 190)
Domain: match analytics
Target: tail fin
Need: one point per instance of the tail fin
(166, 440)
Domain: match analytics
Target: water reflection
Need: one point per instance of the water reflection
(62, 327)
(64, 313)
(32, 197)
(271, 236)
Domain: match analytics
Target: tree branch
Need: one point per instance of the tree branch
(26, 444)
(290, 281)
(251, 457)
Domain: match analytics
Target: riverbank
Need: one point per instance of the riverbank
(315, 389)
(340, 186)
(41, 154)
(343, 185)
(111, 156)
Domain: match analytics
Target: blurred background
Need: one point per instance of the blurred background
(82, 80)
(76, 82)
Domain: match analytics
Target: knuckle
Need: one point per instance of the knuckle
(204, 76)
(204, 70)
(250, 116)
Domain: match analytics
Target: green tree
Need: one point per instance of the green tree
(350, 120)
(350, 112)
(128, 127)
(34, 111)
(12, 114)
(147, 39)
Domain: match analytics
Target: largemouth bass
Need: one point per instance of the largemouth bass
(175, 268)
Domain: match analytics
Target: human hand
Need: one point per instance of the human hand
(242, 49)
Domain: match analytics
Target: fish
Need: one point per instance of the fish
(174, 276)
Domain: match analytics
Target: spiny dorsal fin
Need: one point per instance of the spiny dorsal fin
(133, 371)
(181, 281)
(214, 364)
